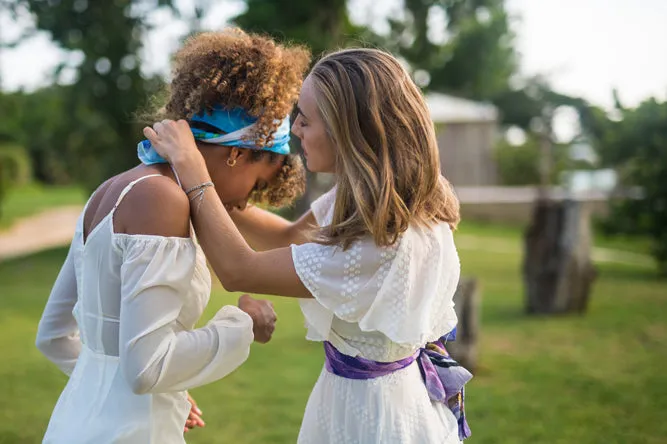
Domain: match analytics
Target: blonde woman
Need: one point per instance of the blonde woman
(120, 318)
(373, 262)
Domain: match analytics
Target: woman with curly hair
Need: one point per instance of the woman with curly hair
(377, 275)
(120, 318)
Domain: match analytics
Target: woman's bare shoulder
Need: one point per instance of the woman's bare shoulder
(154, 206)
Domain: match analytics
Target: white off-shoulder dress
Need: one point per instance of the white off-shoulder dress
(119, 321)
(382, 304)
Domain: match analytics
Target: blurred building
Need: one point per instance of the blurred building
(467, 132)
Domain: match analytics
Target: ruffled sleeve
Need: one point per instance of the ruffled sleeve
(156, 353)
(404, 291)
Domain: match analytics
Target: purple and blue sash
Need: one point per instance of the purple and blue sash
(443, 376)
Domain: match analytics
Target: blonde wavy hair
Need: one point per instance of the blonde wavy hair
(388, 165)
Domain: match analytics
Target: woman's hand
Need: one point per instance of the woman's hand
(172, 140)
(194, 418)
(175, 143)
(263, 317)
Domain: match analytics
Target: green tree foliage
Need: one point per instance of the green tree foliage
(323, 25)
(535, 96)
(636, 145)
(36, 122)
(14, 161)
(518, 164)
(87, 130)
(14, 168)
(476, 59)
(89, 125)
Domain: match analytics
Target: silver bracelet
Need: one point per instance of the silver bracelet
(199, 187)
(200, 199)
(200, 195)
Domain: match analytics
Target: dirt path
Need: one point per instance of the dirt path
(51, 228)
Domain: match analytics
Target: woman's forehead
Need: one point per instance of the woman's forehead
(307, 96)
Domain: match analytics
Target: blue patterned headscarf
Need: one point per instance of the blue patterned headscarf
(232, 128)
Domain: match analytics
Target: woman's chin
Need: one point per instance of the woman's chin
(313, 167)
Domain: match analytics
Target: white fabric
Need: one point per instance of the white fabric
(120, 321)
(381, 303)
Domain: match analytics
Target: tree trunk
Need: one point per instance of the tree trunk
(557, 269)
(466, 304)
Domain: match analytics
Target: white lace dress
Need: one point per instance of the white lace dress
(119, 321)
(382, 304)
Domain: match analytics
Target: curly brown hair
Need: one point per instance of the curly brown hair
(238, 69)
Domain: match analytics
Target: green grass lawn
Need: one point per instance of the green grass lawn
(599, 378)
(631, 244)
(34, 198)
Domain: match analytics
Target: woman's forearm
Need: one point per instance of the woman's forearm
(222, 243)
(238, 267)
(264, 230)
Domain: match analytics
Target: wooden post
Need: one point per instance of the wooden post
(466, 304)
(546, 147)
(557, 269)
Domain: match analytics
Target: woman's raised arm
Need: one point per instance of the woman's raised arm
(238, 266)
(264, 230)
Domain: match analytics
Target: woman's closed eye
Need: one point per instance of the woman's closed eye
(301, 119)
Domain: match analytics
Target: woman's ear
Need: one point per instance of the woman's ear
(234, 155)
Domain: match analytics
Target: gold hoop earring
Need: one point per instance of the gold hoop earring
(231, 162)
